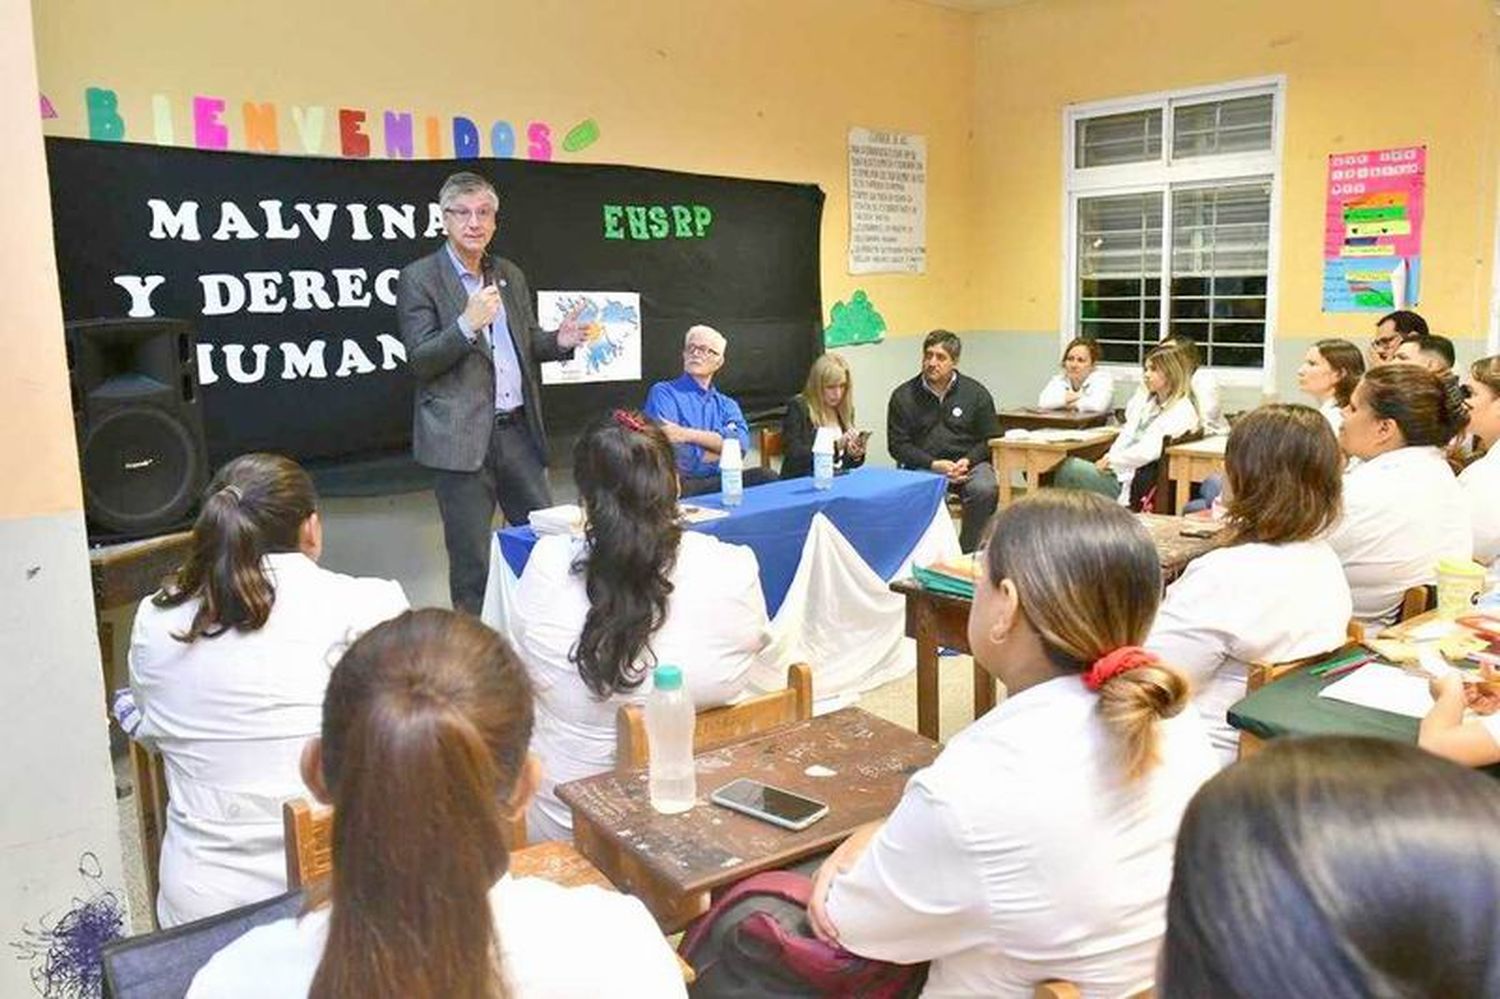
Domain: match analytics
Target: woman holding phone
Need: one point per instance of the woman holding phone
(826, 401)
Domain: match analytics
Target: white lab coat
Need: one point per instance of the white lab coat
(1098, 392)
(1020, 855)
(230, 715)
(1145, 433)
(1481, 481)
(716, 624)
(1403, 512)
(1248, 603)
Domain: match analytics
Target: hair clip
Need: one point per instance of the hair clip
(630, 420)
(234, 491)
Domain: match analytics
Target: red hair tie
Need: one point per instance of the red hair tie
(1111, 665)
(630, 421)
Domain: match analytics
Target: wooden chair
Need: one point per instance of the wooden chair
(720, 726)
(1152, 482)
(768, 442)
(150, 779)
(1417, 600)
(1262, 673)
(309, 840)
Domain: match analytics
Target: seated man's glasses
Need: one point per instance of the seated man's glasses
(699, 350)
(465, 214)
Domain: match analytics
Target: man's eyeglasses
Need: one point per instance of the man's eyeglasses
(465, 214)
(700, 350)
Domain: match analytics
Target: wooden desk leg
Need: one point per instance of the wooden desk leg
(984, 691)
(927, 673)
(1182, 473)
(1006, 469)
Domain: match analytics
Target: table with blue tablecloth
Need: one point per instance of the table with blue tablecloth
(825, 559)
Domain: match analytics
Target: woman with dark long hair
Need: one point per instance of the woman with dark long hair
(1275, 590)
(1339, 868)
(228, 663)
(1039, 844)
(423, 756)
(594, 614)
(1403, 509)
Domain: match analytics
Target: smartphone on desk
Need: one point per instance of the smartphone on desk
(769, 804)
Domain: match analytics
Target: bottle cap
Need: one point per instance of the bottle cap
(667, 678)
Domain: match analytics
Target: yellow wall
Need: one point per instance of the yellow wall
(33, 374)
(1360, 74)
(751, 88)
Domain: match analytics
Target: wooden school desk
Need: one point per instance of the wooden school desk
(938, 619)
(125, 574)
(1034, 418)
(672, 862)
(1194, 462)
(1036, 458)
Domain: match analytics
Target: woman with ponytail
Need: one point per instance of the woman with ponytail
(1481, 480)
(1039, 844)
(228, 663)
(1403, 509)
(595, 614)
(423, 756)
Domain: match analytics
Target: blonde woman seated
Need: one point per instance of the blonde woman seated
(1276, 590)
(1039, 844)
(423, 758)
(1205, 386)
(1162, 409)
(826, 402)
(1081, 385)
(1481, 480)
(228, 664)
(1330, 369)
(1403, 509)
(595, 613)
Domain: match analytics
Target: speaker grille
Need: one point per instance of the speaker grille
(140, 465)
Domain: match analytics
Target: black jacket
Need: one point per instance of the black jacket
(922, 429)
(797, 436)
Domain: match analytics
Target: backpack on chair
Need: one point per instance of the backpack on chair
(756, 941)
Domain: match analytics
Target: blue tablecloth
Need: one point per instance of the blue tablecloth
(881, 511)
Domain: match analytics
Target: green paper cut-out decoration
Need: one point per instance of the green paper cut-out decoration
(855, 322)
(581, 136)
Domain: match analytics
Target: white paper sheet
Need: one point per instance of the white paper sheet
(1384, 688)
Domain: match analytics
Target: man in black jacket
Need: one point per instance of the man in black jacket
(942, 421)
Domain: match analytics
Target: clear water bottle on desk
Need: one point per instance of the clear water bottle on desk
(822, 455)
(669, 737)
(732, 472)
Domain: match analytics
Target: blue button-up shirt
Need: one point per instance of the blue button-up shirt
(507, 366)
(683, 402)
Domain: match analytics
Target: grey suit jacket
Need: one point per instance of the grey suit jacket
(454, 406)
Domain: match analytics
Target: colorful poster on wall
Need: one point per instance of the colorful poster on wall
(887, 202)
(1372, 235)
(611, 348)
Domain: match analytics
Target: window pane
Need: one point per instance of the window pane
(1111, 139)
(1119, 271)
(1240, 125)
(1220, 241)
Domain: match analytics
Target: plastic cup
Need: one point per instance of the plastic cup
(1459, 584)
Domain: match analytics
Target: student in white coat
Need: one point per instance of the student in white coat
(1039, 844)
(1403, 508)
(1329, 371)
(423, 757)
(1081, 386)
(1481, 480)
(1162, 409)
(228, 663)
(1276, 590)
(595, 613)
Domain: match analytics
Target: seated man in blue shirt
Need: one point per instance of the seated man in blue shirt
(698, 417)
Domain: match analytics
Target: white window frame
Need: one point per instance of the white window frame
(1160, 175)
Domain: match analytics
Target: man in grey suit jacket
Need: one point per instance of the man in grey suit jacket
(473, 344)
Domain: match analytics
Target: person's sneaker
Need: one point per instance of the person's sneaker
(944, 652)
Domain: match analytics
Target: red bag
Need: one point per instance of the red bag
(756, 941)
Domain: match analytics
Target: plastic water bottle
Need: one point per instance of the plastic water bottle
(822, 455)
(732, 472)
(669, 735)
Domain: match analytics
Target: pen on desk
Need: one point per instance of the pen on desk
(1356, 656)
(1349, 667)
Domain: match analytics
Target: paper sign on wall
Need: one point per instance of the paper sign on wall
(611, 347)
(1372, 234)
(887, 202)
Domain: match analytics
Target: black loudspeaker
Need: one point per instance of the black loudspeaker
(140, 429)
